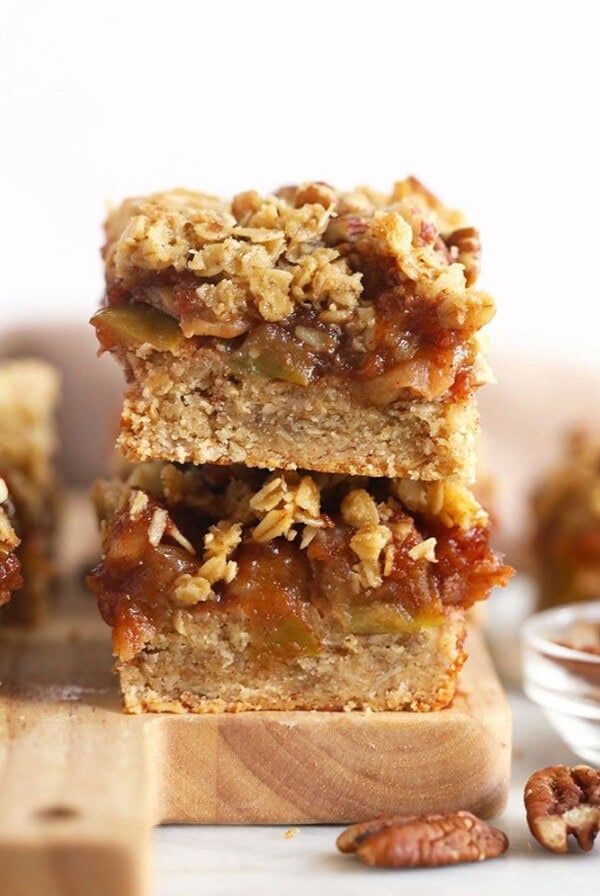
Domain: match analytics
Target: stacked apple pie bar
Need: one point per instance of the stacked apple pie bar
(295, 529)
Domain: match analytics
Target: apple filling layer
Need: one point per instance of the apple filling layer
(287, 551)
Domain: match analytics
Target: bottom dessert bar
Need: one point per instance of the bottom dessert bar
(28, 395)
(210, 666)
(234, 589)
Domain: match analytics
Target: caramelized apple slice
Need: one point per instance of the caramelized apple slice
(271, 587)
(138, 324)
(388, 619)
(292, 635)
(271, 352)
(406, 601)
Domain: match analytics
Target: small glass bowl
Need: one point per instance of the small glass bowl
(563, 680)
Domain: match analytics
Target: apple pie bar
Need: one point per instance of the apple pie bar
(312, 328)
(230, 588)
(28, 396)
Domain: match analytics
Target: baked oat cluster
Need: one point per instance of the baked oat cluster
(265, 256)
(296, 528)
(262, 508)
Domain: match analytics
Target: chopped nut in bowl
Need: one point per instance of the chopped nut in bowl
(561, 672)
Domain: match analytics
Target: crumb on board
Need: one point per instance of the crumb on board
(291, 832)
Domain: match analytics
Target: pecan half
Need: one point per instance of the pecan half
(423, 841)
(562, 801)
(468, 245)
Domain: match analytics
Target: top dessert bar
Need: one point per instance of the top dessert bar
(337, 331)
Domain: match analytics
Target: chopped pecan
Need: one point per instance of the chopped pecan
(315, 192)
(287, 192)
(424, 841)
(560, 801)
(344, 229)
(468, 245)
(440, 246)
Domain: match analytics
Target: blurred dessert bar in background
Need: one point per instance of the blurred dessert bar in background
(10, 567)
(231, 588)
(352, 314)
(566, 520)
(28, 396)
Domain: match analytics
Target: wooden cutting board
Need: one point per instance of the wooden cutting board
(82, 784)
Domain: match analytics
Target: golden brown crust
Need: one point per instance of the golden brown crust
(193, 409)
(208, 668)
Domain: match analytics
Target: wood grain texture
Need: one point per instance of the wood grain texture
(307, 767)
(82, 784)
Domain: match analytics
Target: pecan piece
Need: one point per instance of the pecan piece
(344, 229)
(353, 836)
(423, 841)
(468, 245)
(560, 801)
(315, 192)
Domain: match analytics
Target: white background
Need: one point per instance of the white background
(493, 105)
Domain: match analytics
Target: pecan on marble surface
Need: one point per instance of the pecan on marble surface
(560, 801)
(424, 841)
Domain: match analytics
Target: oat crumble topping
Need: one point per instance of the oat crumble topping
(284, 504)
(262, 257)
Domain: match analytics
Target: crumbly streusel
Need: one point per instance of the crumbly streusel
(310, 246)
(286, 505)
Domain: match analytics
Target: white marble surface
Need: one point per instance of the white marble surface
(229, 861)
